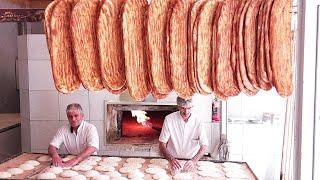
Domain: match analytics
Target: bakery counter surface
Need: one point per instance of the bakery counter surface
(9, 121)
(119, 168)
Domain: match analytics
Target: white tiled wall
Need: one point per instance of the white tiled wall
(40, 75)
(44, 105)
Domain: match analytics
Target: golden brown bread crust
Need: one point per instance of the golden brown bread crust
(204, 46)
(111, 46)
(157, 47)
(243, 69)
(64, 70)
(47, 20)
(266, 28)
(133, 26)
(83, 26)
(192, 45)
(226, 81)
(281, 47)
(250, 41)
(178, 48)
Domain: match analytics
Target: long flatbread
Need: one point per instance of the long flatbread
(133, 29)
(281, 41)
(156, 27)
(64, 70)
(83, 26)
(266, 28)
(110, 47)
(192, 45)
(226, 81)
(178, 48)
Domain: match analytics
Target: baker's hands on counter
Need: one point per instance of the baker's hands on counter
(175, 165)
(56, 160)
(189, 165)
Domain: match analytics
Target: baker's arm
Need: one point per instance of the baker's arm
(173, 162)
(191, 163)
(56, 159)
(83, 155)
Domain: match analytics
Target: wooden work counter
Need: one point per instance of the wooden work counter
(8, 121)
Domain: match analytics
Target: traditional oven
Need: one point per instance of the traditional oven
(133, 128)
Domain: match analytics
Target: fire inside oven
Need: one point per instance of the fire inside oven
(142, 131)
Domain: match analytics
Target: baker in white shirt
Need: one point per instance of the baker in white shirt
(183, 136)
(79, 137)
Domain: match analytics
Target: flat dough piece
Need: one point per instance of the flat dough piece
(126, 170)
(83, 26)
(78, 177)
(47, 175)
(64, 69)
(32, 162)
(106, 163)
(110, 43)
(133, 165)
(15, 171)
(105, 168)
(161, 176)
(82, 167)
(55, 170)
(225, 79)
(94, 158)
(113, 174)
(112, 159)
(281, 46)
(101, 177)
(178, 29)
(4, 175)
(212, 174)
(159, 161)
(135, 174)
(154, 170)
(182, 176)
(158, 63)
(91, 173)
(44, 158)
(135, 58)
(135, 160)
(68, 173)
(26, 166)
(89, 162)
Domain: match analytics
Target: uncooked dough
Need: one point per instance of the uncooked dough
(135, 160)
(213, 174)
(113, 174)
(106, 163)
(133, 165)
(159, 161)
(101, 177)
(135, 174)
(82, 167)
(15, 171)
(94, 158)
(4, 175)
(89, 162)
(44, 158)
(26, 167)
(68, 173)
(55, 170)
(78, 177)
(206, 163)
(183, 176)
(155, 170)
(46, 175)
(161, 176)
(112, 159)
(104, 168)
(126, 170)
(32, 162)
(91, 173)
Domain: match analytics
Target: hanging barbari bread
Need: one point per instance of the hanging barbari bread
(83, 26)
(204, 51)
(133, 27)
(178, 48)
(192, 45)
(250, 41)
(158, 62)
(281, 38)
(225, 79)
(261, 64)
(57, 28)
(243, 68)
(110, 45)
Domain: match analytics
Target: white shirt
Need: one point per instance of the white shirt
(183, 138)
(87, 135)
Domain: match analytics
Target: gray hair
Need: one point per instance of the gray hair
(74, 105)
(183, 102)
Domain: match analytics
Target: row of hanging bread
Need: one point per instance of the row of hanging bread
(211, 46)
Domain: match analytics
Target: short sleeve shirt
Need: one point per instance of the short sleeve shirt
(87, 135)
(183, 138)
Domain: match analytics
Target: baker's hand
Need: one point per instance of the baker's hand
(71, 162)
(56, 160)
(175, 165)
(189, 165)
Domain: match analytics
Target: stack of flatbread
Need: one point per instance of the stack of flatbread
(220, 47)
